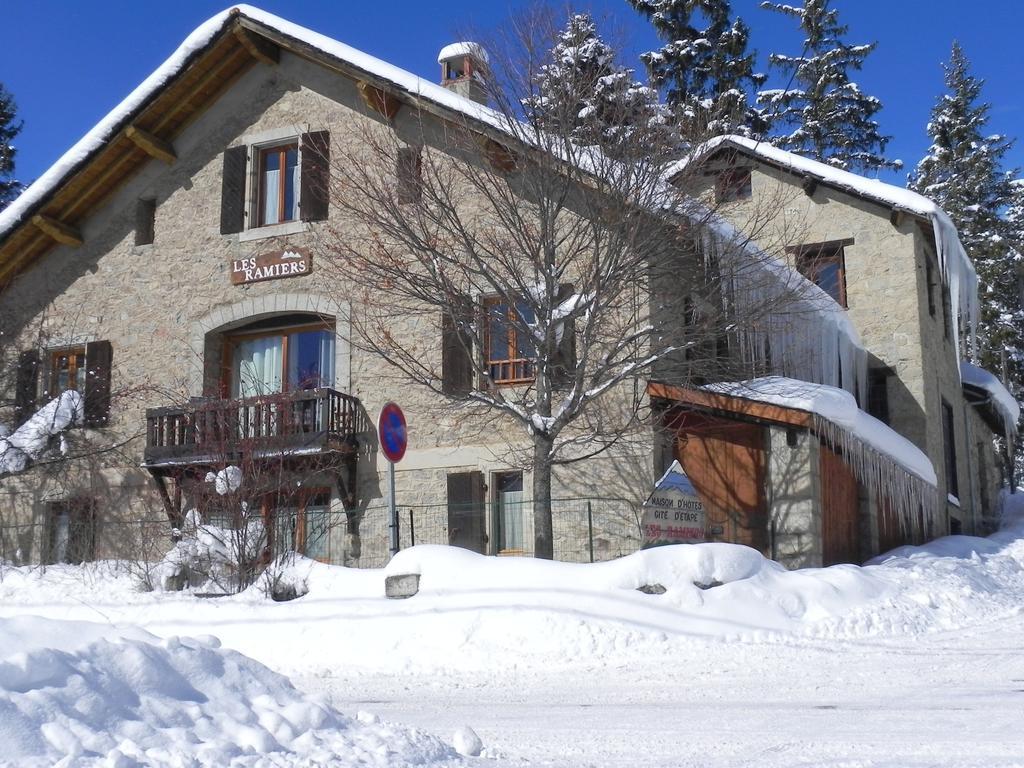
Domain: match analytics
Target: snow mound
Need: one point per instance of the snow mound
(82, 693)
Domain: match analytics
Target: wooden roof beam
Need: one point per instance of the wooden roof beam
(258, 46)
(379, 100)
(63, 233)
(152, 145)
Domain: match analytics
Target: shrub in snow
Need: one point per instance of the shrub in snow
(210, 556)
(227, 480)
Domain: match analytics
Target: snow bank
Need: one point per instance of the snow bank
(29, 441)
(474, 614)
(1006, 405)
(81, 693)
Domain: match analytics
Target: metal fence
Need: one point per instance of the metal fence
(584, 530)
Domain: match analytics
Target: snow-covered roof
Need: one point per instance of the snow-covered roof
(957, 268)
(1005, 404)
(398, 78)
(454, 50)
(837, 406)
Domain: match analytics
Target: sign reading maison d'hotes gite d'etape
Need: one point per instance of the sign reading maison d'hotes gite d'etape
(674, 513)
(291, 262)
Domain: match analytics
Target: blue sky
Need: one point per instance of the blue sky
(69, 62)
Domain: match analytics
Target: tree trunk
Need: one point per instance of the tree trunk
(543, 544)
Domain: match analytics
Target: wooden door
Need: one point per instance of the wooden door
(724, 460)
(840, 511)
(466, 510)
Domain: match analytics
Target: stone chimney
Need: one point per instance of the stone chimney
(464, 69)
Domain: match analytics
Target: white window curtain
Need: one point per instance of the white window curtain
(271, 191)
(257, 367)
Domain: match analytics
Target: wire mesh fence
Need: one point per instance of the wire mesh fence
(584, 530)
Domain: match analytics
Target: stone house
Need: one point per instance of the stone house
(167, 267)
(891, 259)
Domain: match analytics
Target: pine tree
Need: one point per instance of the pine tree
(707, 73)
(9, 128)
(963, 172)
(582, 93)
(827, 116)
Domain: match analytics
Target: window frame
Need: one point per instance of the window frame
(949, 450)
(522, 365)
(261, 152)
(734, 184)
(77, 351)
(233, 339)
(812, 257)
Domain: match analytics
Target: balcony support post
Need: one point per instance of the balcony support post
(173, 511)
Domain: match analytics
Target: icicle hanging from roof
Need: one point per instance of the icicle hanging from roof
(803, 333)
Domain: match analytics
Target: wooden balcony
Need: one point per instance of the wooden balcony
(215, 431)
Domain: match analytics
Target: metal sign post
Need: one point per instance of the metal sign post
(394, 439)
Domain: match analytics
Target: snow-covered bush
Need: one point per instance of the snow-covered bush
(211, 557)
(32, 439)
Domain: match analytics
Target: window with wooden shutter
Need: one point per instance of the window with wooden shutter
(564, 362)
(466, 511)
(457, 349)
(315, 151)
(98, 357)
(26, 385)
(232, 197)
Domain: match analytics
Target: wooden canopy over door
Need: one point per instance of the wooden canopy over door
(725, 461)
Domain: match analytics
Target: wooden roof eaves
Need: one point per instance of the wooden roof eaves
(38, 243)
(729, 404)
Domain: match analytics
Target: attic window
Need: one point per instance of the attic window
(733, 184)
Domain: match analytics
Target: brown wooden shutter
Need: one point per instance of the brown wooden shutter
(457, 349)
(466, 511)
(564, 362)
(315, 151)
(98, 358)
(26, 385)
(232, 194)
(409, 174)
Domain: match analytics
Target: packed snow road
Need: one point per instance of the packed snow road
(951, 699)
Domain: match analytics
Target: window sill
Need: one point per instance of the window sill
(274, 230)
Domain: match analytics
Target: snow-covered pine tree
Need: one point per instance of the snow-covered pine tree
(9, 128)
(584, 94)
(824, 115)
(707, 73)
(963, 172)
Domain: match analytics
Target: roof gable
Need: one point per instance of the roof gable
(145, 124)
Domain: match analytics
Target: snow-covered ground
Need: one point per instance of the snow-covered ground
(915, 660)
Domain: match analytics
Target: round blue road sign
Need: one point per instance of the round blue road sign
(392, 432)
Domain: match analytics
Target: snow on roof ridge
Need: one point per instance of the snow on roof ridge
(97, 136)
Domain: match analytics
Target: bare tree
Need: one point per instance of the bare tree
(557, 274)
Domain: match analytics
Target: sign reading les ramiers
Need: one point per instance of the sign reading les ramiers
(291, 262)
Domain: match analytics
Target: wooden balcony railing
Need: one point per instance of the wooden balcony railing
(213, 430)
